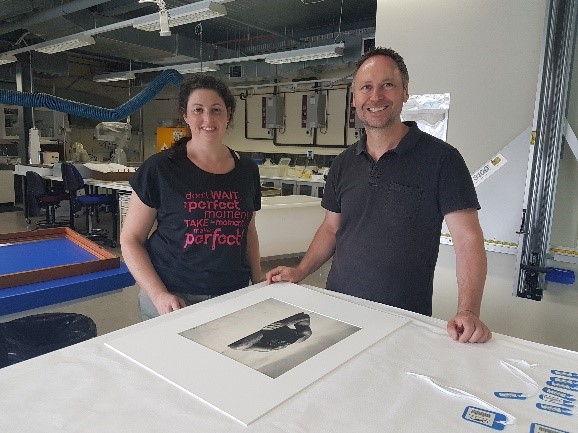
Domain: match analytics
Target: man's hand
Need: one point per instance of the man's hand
(466, 327)
(284, 273)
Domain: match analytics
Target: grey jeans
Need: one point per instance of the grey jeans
(149, 311)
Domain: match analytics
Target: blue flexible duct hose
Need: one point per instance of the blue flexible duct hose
(79, 109)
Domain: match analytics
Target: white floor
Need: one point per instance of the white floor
(119, 309)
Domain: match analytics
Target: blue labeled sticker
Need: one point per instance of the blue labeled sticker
(565, 373)
(512, 395)
(559, 393)
(562, 385)
(549, 398)
(554, 409)
(494, 420)
(541, 428)
(564, 380)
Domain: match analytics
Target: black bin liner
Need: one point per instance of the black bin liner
(35, 335)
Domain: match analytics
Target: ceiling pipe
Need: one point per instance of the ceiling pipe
(56, 12)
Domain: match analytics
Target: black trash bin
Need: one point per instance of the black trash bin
(3, 351)
(35, 335)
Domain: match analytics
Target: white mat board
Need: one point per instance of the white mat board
(244, 388)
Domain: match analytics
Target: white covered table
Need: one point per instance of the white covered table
(414, 380)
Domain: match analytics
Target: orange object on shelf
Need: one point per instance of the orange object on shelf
(167, 136)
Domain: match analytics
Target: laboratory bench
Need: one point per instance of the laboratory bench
(295, 185)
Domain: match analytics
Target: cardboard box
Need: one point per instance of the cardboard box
(270, 191)
(112, 176)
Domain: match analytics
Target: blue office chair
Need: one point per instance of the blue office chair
(73, 182)
(38, 197)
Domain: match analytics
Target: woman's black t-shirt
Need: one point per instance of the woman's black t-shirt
(200, 243)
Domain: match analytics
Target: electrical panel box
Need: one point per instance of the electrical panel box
(316, 106)
(275, 112)
(235, 71)
(354, 120)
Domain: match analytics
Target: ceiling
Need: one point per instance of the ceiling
(250, 27)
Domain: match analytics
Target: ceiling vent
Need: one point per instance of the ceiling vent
(235, 71)
(368, 44)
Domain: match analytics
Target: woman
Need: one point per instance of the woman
(203, 197)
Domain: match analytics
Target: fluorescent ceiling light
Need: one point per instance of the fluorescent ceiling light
(306, 54)
(185, 68)
(119, 76)
(64, 44)
(7, 58)
(190, 13)
(193, 68)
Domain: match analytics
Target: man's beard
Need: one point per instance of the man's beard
(386, 124)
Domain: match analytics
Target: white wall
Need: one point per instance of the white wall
(487, 55)
(551, 321)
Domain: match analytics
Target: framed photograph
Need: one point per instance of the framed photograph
(246, 355)
(49, 254)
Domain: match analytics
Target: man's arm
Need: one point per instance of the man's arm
(321, 249)
(471, 269)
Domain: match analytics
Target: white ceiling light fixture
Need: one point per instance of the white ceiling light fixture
(164, 28)
(119, 76)
(193, 68)
(64, 44)
(185, 68)
(306, 54)
(191, 13)
(7, 58)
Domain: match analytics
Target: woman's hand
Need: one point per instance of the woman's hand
(166, 302)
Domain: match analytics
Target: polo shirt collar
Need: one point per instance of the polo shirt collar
(407, 143)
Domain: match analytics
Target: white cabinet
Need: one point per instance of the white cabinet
(299, 216)
(7, 186)
(123, 200)
(50, 124)
(9, 122)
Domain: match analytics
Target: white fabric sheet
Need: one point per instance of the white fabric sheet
(414, 380)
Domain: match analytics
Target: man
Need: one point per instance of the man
(386, 198)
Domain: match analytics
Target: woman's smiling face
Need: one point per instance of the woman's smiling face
(207, 115)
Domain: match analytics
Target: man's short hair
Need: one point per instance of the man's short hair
(387, 52)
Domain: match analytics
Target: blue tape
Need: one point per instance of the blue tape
(541, 428)
(563, 385)
(554, 409)
(565, 374)
(565, 380)
(549, 398)
(493, 420)
(559, 393)
(511, 395)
